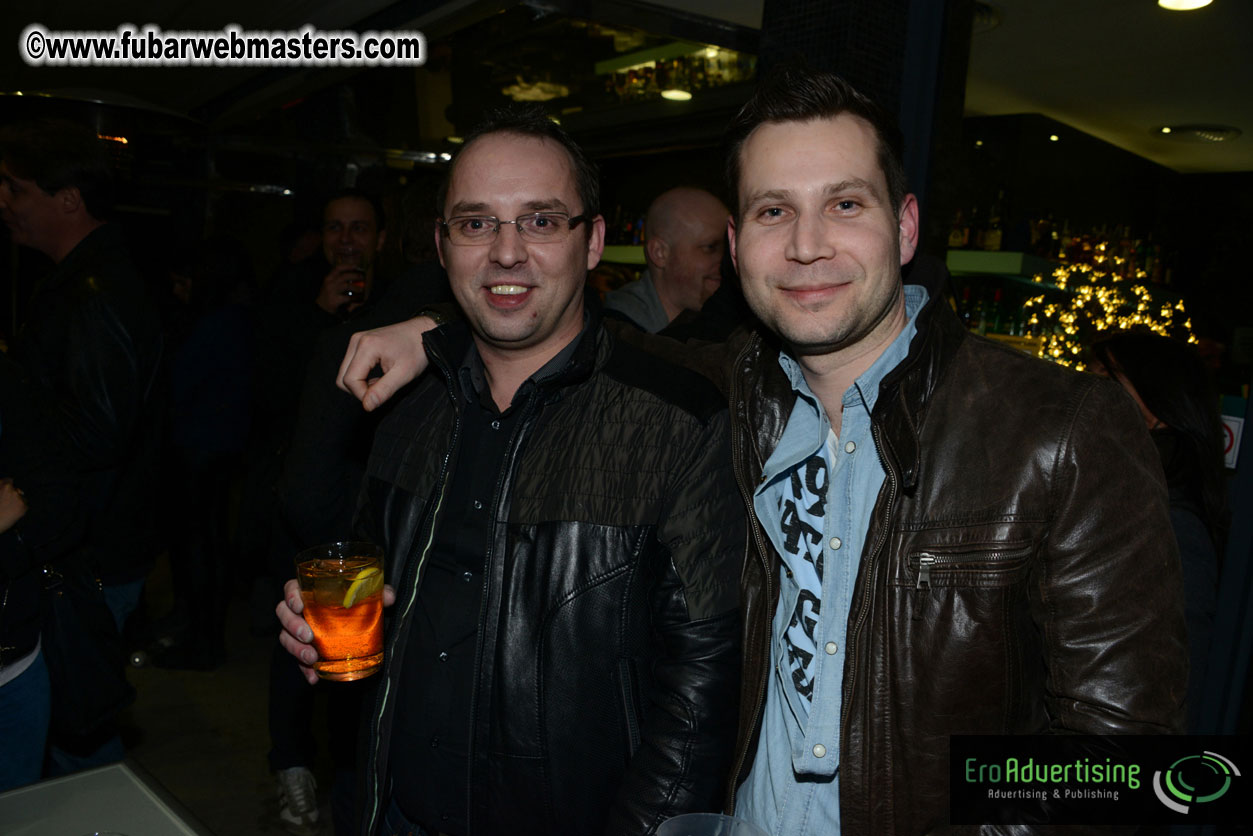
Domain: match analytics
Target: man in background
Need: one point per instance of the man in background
(686, 236)
(89, 352)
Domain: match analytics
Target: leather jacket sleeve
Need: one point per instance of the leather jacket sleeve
(1110, 600)
(688, 732)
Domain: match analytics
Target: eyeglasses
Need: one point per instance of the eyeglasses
(538, 227)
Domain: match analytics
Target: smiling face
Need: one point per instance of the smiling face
(351, 234)
(519, 295)
(817, 245)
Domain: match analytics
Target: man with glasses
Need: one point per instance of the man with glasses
(563, 536)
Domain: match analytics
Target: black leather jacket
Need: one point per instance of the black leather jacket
(90, 353)
(606, 687)
(1051, 600)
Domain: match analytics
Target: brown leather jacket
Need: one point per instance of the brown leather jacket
(1053, 602)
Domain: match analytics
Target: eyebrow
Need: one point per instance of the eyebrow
(852, 184)
(550, 204)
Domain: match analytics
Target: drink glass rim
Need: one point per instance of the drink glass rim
(340, 550)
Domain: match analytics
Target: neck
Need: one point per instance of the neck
(71, 237)
(507, 369)
(669, 305)
(830, 374)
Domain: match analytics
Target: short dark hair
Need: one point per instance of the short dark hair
(792, 93)
(532, 121)
(57, 154)
(380, 217)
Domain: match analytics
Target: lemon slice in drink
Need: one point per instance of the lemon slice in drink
(367, 582)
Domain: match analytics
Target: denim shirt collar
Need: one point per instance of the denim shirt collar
(865, 389)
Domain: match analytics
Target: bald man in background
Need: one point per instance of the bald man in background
(686, 230)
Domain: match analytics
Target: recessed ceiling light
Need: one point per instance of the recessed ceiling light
(1198, 133)
(978, 143)
(1183, 5)
(1053, 137)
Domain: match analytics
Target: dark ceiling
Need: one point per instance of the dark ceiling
(1116, 69)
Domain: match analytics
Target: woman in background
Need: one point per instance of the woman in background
(1172, 388)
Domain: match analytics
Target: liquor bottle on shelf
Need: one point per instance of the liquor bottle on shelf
(994, 233)
(964, 309)
(959, 234)
(996, 314)
(974, 229)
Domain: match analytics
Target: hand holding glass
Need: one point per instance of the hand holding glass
(341, 585)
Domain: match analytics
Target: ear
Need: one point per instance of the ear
(656, 251)
(70, 199)
(382, 240)
(731, 242)
(595, 241)
(908, 233)
(439, 245)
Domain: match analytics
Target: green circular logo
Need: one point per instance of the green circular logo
(1194, 779)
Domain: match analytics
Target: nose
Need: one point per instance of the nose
(810, 240)
(508, 248)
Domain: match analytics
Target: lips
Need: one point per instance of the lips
(507, 296)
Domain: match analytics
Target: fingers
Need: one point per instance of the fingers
(389, 595)
(296, 636)
(349, 378)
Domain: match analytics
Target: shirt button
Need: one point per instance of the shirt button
(836, 542)
(831, 648)
(443, 655)
(820, 751)
(850, 447)
(478, 506)
(467, 577)
(495, 425)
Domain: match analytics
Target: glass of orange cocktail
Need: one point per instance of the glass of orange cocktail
(341, 585)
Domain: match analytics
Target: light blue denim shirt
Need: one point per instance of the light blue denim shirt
(814, 503)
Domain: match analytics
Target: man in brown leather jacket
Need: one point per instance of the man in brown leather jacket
(950, 537)
(1000, 563)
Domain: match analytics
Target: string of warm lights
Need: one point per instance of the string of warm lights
(1107, 295)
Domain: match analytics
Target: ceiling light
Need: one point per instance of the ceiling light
(674, 94)
(978, 143)
(1183, 5)
(1053, 137)
(1198, 133)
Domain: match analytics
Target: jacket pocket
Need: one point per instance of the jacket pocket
(974, 566)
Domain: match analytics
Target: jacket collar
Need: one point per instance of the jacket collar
(905, 390)
(449, 343)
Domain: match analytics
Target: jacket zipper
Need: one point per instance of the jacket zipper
(851, 641)
(738, 465)
(384, 692)
(923, 587)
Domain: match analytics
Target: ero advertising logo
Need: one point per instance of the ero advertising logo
(1091, 780)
